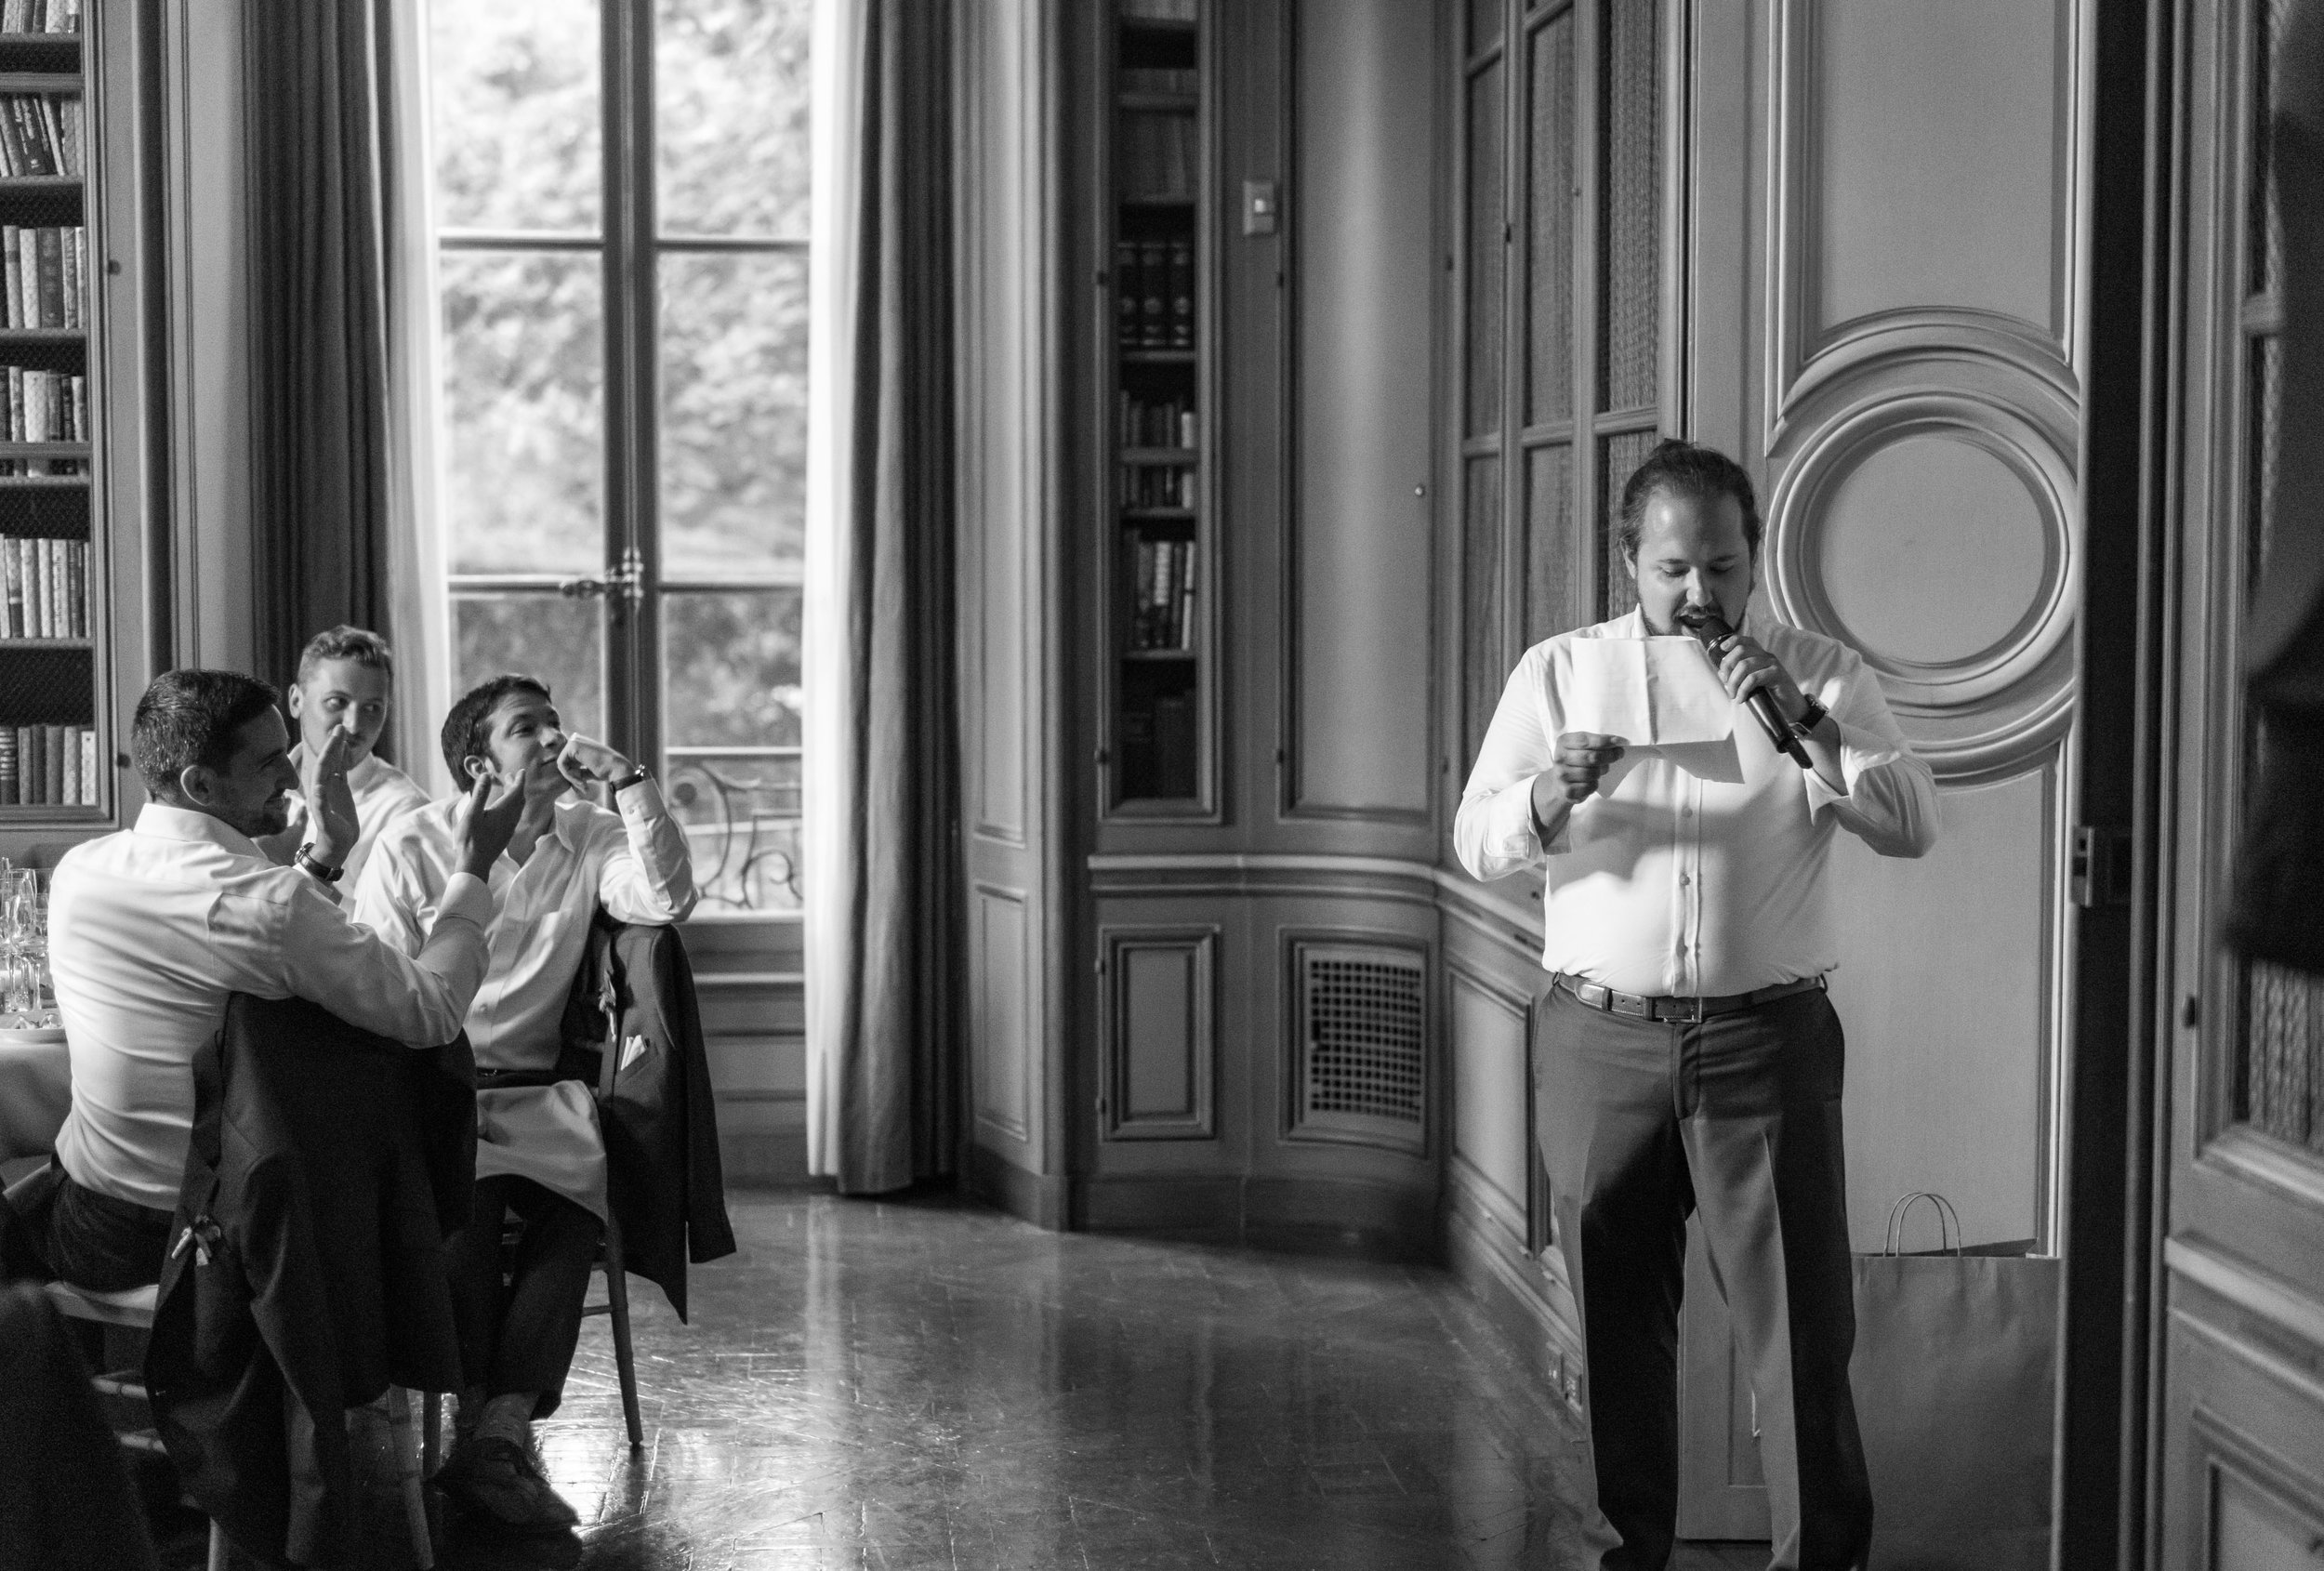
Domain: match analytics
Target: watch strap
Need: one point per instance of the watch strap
(1810, 718)
(306, 860)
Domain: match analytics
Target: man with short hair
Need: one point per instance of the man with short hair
(538, 1150)
(346, 683)
(1689, 1059)
(150, 930)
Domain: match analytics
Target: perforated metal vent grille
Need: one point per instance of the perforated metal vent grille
(1366, 1036)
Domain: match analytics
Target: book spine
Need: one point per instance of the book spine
(51, 243)
(25, 108)
(57, 602)
(76, 588)
(28, 275)
(90, 795)
(73, 121)
(70, 245)
(1127, 295)
(1144, 596)
(43, 112)
(16, 403)
(12, 558)
(30, 770)
(13, 161)
(52, 764)
(69, 772)
(1154, 319)
(1181, 294)
(1186, 602)
(7, 766)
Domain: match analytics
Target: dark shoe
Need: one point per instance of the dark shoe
(499, 1480)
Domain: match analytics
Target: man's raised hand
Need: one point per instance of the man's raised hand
(487, 819)
(332, 828)
(584, 759)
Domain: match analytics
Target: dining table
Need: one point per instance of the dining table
(35, 1091)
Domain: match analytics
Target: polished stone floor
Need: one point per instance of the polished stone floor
(926, 1384)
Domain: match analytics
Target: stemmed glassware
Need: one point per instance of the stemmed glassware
(23, 948)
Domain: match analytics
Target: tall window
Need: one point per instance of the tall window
(1561, 316)
(621, 196)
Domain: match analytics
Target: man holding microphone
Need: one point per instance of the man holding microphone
(1689, 1058)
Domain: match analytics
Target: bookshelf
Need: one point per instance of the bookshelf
(1160, 721)
(54, 759)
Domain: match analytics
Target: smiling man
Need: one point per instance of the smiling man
(150, 931)
(1688, 1058)
(539, 1153)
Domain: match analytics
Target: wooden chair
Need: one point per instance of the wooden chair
(133, 1309)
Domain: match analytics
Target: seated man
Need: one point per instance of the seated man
(346, 676)
(150, 928)
(538, 1151)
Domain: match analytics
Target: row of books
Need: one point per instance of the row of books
(1158, 11)
(44, 405)
(1162, 607)
(46, 584)
(1158, 747)
(1159, 79)
(46, 277)
(1145, 423)
(1157, 157)
(64, 15)
(42, 134)
(1154, 288)
(48, 766)
(1156, 486)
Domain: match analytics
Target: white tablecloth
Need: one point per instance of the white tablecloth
(35, 1093)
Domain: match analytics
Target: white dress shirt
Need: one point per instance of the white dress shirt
(634, 864)
(150, 928)
(1670, 880)
(383, 794)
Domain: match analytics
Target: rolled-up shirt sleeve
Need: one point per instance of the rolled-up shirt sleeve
(1494, 833)
(1890, 803)
(648, 874)
(359, 975)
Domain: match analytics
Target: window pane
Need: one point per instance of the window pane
(1486, 261)
(731, 91)
(733, 455)
(561, 642)
(1487, 670)
(524, 413)
(513, 89)
(1549, 237)
(1550, 543)
(1619, 456)
(731, 697)
(729, 665)
(1629, 335)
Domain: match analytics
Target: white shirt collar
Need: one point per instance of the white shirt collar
(167, 822)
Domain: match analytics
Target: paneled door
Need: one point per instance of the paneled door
(2241, 1337)
(1885, 216)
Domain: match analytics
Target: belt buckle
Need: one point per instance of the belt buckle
(1681, 1012)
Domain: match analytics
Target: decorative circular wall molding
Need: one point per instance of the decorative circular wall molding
(1974, 655)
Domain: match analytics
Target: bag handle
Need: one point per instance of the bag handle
(1948, 1232)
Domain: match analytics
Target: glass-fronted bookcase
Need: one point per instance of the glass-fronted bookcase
(1160, 549)
(57, 754)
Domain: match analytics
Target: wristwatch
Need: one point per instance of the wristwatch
(305, 858)
(1810, 718)
(637, 777)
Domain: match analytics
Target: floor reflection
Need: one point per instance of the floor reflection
(926, 1384)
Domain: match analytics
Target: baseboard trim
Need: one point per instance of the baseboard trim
(1035, 1197)
(1304, 1215)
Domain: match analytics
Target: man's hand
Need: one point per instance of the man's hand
(486, 822)
(1583, 757)
(1746, 667)
(331, 824)
(585, 760)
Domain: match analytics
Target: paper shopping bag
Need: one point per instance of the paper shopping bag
(1955, 1374)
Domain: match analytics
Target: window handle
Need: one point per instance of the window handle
(626, 578)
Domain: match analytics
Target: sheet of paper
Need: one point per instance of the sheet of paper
(1654, 692)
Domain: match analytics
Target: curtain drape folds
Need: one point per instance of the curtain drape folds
(321, 482)
(883, 886)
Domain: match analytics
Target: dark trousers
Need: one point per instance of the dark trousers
(103, 1244)
(520, 1335)
(1738, 1118)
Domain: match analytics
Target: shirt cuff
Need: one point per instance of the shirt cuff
(641, 800)
(1859, 750)
(467, 897)
(1510, 831)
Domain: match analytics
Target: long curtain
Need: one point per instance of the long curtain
(881, 859)
(340, 310)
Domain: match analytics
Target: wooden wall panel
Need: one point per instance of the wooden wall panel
(1491, 1088)
(1162, 1038)
(1001, 1061)
(1360, 205)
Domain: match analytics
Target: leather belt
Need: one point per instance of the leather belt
(1615, 1002)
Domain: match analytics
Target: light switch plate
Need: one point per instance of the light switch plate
(1260, 206)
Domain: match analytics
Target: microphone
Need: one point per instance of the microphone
(1708, 628)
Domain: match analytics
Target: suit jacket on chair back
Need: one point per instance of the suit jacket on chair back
(305, 1272)
(663, 1180)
